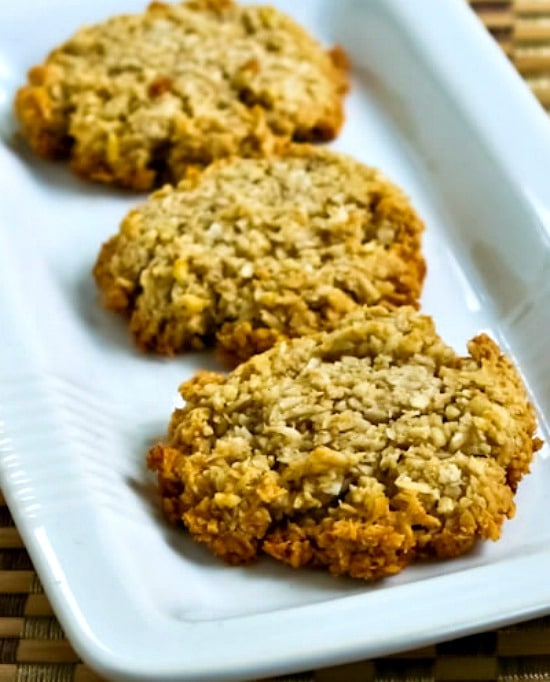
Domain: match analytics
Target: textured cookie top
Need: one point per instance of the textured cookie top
(136, 99)
(258, 249)
(359, 449)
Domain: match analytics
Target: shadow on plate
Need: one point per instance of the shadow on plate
(56, 176)
(109, 328)
(113, 334)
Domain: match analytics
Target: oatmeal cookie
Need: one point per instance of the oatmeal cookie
(254, 250)
(137, 99)
(360, 449)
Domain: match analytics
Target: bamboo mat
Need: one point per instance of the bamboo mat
(33, 647)
(522, 28)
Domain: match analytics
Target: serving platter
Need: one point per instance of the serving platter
(436, 106)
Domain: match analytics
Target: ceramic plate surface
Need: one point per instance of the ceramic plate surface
(435, 105)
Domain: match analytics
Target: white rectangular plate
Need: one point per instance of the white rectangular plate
(436, 105)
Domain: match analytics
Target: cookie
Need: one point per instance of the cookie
(137, 99)
(254, 250)
(359, 450)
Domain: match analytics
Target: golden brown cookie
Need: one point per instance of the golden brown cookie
(138, 99)
(254, 250)
(359, 450)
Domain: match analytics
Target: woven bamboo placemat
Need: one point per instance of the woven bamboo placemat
(33, 647)
(522, 28)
